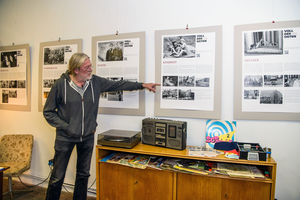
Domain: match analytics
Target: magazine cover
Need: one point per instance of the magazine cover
(219, 131)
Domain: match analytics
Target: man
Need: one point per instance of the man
(72, 107)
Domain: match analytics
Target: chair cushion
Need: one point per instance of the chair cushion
(16, 148)
(16, 168)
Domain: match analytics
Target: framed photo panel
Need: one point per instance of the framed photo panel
(53, 61)
(267, 71)
(121, 57)
(15, 78)
(188, 64)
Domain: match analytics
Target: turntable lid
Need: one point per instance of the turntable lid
(119, 133)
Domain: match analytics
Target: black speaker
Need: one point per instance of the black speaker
(165, 133)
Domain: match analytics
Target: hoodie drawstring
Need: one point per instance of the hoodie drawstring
(92, 91)
(65, 91)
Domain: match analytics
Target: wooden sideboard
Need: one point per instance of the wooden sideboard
(116, 181)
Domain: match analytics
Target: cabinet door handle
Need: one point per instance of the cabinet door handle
(226, 195)
(136, 182)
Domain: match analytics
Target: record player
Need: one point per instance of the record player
(119, 138)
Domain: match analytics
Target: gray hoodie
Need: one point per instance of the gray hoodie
(73, 110)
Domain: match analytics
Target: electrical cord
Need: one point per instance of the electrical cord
(38, 183)
(51, 169)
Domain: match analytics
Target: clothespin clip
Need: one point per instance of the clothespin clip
(13, 43)
(59, 39)
(187, 27)
(117, 33)
(273, 21)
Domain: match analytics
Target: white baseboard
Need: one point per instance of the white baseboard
(34, 180)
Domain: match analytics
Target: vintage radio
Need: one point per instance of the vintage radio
(164, 133)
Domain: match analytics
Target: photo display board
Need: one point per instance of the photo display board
(53, 61)
(188, 64)
(15, 78)
(267, 71)
(121, 57)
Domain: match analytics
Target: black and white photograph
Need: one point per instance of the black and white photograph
(110, 51)
(5, 94)
(186, 81)
(202, 82)
(21, 84)
(3, 84)
(253, 81)
(263, 43)
(170, 94)
(188, 94)
(179, 46)
(54, 55)
(170, 81)
(12, 94)
(115, 96)
(9, 59)
(251, 94)
(292, 80)
(48, 83)
(273, 80)
(271, 97)
(13, 84)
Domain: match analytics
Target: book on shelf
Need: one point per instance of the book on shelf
(141, 161)
(127, 160)
(116, 158)
(108, 157)
(154, 162)
(168, 164)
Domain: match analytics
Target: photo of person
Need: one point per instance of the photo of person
(292, 80)
(251, 94)
(21, 84)
(179, 47)
(5, 96)
(12, 84)
(263, 43)
(12, 94)
(54, 56)
(170, 80)
(187, 81)
(170, 94)
(253, 81)
(48, 83)
(9, 59)
(110, 51)
(4, 84)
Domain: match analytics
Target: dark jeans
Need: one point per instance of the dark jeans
(62, 155)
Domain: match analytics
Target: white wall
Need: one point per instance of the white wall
(36, 21)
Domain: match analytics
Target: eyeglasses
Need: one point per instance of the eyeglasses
(87, 68)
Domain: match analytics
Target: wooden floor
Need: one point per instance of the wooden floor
(38, 193)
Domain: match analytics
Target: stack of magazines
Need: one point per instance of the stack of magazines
(183, 165)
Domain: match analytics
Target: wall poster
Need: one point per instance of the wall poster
(120, 57)
(189, 68)
(53, 61)
(267, 71)
(15, 78)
